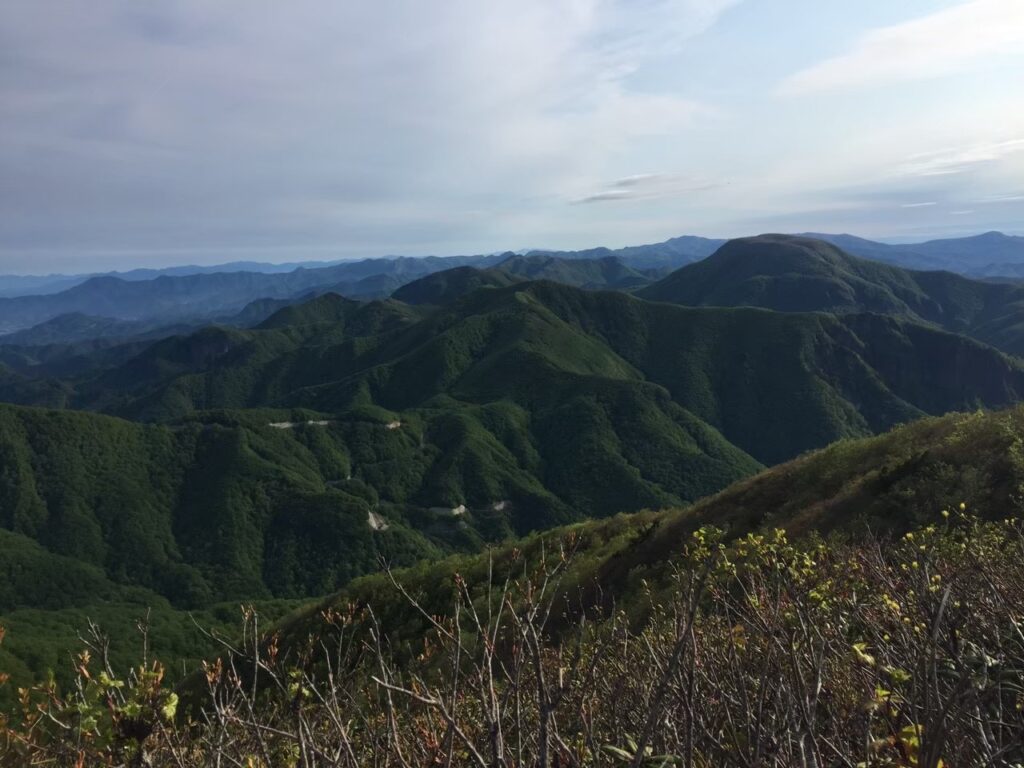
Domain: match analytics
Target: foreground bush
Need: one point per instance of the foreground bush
(753, 652)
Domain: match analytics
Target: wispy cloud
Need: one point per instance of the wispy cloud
(1002, 199)
(926, 204)
(959, 159)
(946, 41)
(646, 186)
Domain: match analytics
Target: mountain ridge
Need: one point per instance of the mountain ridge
(797, 274)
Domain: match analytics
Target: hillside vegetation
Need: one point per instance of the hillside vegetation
(892, 483)
(630, 641)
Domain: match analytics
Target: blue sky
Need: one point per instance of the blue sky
(136, 134)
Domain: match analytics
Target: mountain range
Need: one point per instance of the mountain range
(201, 294)
(991, 254)
(284, 450)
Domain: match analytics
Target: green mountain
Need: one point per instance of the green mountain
(797, 274)
(391, 431)
(894, 482)
(203, 511)
(773, 384)
(75, 327)
(445, 287)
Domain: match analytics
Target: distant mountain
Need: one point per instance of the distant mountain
(991, 254)
(76, 327)
(38, 285)
(608, 272)
(670, 253)
(442, 288)
(191, 293)
(190, 297)
(798, 274)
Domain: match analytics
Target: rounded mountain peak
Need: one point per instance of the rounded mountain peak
(788, 273)
(777, 254)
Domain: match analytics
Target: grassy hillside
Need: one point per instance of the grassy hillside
(894, 482)
(48, 600)
(798, 274)
(862, 651)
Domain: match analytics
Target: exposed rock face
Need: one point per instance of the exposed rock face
(376, 522)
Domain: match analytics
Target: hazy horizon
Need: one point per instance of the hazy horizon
(251, 257)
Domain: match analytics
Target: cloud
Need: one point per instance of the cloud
(646, 186)
(1002, 199)
(926, 204)
(959, 159)
(380, 126)
(604, 195)
(940, 43)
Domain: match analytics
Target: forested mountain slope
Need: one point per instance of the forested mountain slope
(890, 483)
(773, 384)
(798, 274)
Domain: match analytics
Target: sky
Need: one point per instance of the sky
(184, 131)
